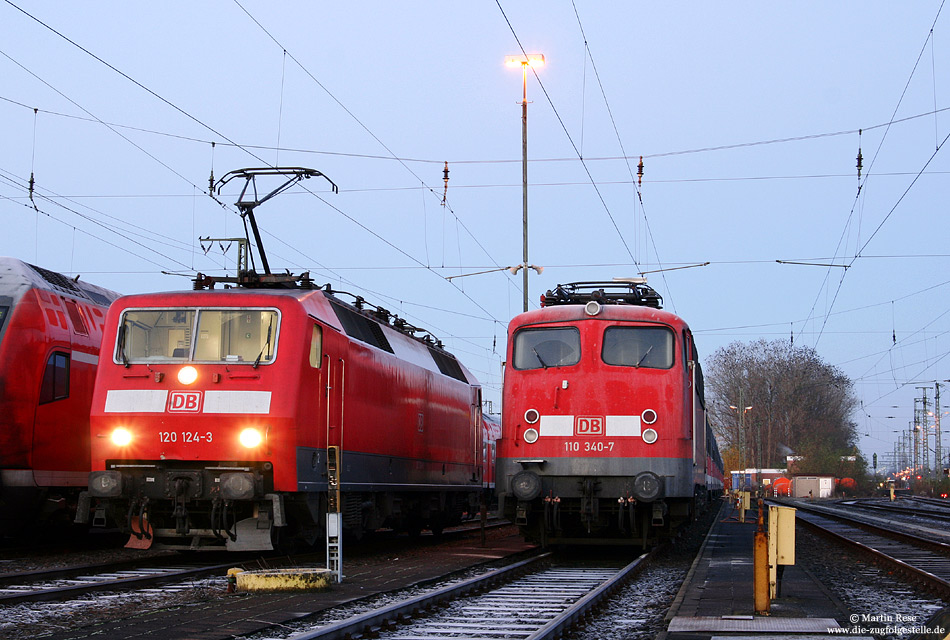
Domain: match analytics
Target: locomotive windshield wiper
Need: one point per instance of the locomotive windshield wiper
(540, 359)
(644, 356)
(266, 344)
(122, 356)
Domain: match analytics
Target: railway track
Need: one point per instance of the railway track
(528, 600)
(904, 509)
(75, 581)
(918, 559)
(64, 584)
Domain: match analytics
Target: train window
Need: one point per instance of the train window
(3, 315)
(155, 334)
(236, 335)
(650, 347)
(316, 347)
(543, 348)
(55, 378)
(76, 317)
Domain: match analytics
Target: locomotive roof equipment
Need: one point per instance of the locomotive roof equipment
(249, 277)
(618, 291)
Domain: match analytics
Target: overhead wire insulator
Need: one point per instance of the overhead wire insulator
(445, 179)
(211, 178)
(860, 158)
(640, 172)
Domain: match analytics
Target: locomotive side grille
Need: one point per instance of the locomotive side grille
(447, 365)
(360, 327)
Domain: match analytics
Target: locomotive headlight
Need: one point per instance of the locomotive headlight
(531, 436)
(592, 308)
(187, 375)
(121, 437)
(649, 436)
(250, 438)
(531, 416)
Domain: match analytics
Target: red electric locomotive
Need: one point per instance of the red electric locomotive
(221, 418)
(604, 437)
(50, 329)
(277, 410)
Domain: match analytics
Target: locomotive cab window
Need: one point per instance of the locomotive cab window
(3, 315)
(543, 348)
(649, 347)
(236, 335)
(245, 336)
(147, 335)
(55, 378)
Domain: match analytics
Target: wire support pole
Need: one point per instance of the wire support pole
(524, 174)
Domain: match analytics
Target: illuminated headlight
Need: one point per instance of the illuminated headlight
(187, 375)
(237, 486)
(647, 487)
(250, 438)
(121, 437)
(649, 436)
(531, 436)
(526, 485)
(105, 484)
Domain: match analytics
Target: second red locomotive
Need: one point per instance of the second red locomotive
(604, 437)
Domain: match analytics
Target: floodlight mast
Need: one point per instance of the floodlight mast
(246, 207)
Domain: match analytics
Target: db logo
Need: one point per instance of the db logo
(589, 426)
(184, 401)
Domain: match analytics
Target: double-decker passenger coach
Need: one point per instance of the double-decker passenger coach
(604, 434)
(50, 329)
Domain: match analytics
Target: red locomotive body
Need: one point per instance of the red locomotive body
(50, 329)
(223, 418)
(604, 431)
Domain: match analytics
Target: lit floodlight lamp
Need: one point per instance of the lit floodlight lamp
(528, 60)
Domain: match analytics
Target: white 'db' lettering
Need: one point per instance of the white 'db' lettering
(184, 401)
(589, 426)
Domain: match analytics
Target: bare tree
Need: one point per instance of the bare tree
(799, 405)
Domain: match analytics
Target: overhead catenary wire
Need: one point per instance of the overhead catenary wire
(204, 125)
(569, 137)
(868, 175)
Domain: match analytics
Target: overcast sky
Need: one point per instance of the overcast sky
(748, 117)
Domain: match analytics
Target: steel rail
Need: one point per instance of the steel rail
(935, 583)
(91, 584)
(582, 608)
(386, 618)
(381, 618)
(870, 527)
